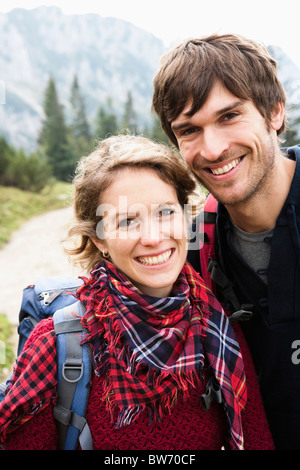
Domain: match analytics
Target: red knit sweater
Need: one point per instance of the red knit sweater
(188, 427)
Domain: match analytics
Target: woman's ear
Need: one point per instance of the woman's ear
(99, 244)
(277, 117)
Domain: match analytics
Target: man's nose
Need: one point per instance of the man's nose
(213, 144)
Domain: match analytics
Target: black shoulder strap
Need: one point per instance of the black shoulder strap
(210, 269)
(241, 312)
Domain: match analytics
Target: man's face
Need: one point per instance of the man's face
(228, 146)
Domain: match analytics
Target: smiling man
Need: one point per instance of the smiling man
(221, 103)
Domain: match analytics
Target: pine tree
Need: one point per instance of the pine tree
(106, 121)
(80, 128)
(54, 137)
(291, 135)
(129, 122)
(157, 132)
(6, 156)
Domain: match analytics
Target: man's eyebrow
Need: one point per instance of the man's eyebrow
(180, 125)
(230, 107)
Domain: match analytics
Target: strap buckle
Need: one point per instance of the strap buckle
(212, 393)
(68, 371)
(244, 314)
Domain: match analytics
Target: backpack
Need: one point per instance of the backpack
(52, 296)
(210, 270)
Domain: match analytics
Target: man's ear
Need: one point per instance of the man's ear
(277, 117)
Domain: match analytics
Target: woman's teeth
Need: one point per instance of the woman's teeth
(226, 168)
(159, 259)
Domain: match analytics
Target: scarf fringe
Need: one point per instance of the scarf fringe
(129, 414)
(154, 378)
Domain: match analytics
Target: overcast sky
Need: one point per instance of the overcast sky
(268, 21)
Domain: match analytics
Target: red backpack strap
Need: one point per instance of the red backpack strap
(207, 229)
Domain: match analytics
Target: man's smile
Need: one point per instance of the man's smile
(226, 168)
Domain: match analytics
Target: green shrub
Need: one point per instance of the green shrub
(28, 172)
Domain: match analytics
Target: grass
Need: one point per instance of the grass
(7, 355)
(17, 206)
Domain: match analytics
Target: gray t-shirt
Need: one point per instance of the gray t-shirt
(254, 248)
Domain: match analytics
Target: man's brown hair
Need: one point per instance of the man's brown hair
(190, 70)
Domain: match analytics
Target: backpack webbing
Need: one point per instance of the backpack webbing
(74, 376)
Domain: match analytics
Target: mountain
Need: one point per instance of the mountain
(289, 75)
(109, 56)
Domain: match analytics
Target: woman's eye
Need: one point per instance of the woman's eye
(166, 212)
(125, 223)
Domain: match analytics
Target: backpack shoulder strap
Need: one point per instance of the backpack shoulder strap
(74, 376)
(207, 230)
(210, 269)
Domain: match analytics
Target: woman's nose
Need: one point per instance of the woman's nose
(151, 234)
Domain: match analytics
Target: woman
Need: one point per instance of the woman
(157, 334)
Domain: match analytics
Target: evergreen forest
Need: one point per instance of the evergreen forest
(67, 134)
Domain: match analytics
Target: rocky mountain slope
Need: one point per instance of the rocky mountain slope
(109, 56)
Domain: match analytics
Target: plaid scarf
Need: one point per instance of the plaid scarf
(151, 349)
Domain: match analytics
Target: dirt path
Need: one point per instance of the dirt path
(34, 250)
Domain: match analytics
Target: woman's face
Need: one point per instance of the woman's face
(144, 230)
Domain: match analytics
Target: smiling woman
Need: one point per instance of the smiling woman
(169, 369)
(126, 189)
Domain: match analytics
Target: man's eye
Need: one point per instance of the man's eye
(229, 116)
(188, 131)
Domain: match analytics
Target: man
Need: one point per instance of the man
(221, 103)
